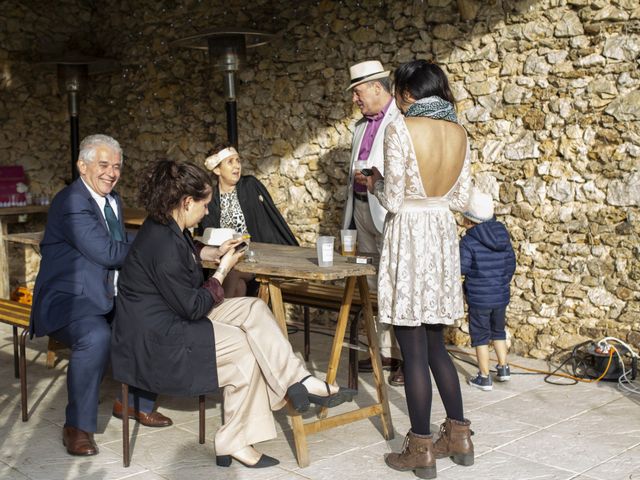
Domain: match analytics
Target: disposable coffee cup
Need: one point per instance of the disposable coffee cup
(348, 242)
(325, 251)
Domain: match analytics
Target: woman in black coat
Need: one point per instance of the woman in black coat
(174, 332)
(243, 203)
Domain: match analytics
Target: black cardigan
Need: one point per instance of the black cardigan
(264, 222)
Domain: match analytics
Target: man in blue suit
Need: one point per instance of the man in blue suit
(83, 248)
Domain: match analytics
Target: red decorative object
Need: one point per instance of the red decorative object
(13, 186)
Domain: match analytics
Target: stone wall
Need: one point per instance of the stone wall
(547, 89)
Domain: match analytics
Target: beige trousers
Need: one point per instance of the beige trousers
(256, 365)
(370, 240)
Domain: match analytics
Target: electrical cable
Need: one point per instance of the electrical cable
(548, 374)
(634, 359)
(612, 350)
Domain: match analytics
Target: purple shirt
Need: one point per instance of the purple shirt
(373, 125)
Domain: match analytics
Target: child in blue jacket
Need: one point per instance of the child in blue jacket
(488, 263)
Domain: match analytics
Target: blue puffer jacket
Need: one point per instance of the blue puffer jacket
(487, 261)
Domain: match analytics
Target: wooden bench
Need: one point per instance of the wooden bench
(327, 297)
(17, 315)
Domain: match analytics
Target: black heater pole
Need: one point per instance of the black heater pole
(72, 78)
(231, 105)
(231, 61)
(227, 50)
(232, 122)
(73, 75)
(74, 124)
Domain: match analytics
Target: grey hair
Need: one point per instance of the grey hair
(385, 82)
(89, 145)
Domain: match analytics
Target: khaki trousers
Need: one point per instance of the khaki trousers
(370, 240)
(256, 365)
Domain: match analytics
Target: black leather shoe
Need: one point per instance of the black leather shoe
(387, 364)
(264, 462)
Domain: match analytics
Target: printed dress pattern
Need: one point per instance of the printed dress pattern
(419, 274)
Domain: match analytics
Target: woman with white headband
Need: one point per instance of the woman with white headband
(243, 203)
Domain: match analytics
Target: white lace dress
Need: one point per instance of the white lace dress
(419, 274)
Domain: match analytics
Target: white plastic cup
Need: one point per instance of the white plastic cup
(325, 251)
(348, 242)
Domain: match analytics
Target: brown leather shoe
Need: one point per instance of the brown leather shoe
(387, 364)
(396, 378)
(153, 419)
(78, 442)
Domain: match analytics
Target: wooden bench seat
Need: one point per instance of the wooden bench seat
(327, 297)
(322, 295)
(17, 315)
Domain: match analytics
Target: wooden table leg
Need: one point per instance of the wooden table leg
(353, 353)
(307, 333)
(4, 262)
(23, 374)
(374, 352)
(338, 339)
(301, 429)
(271, 292)
(263, 289)
(16, 354)
(298, 427)
(277, 306)
(299, 438)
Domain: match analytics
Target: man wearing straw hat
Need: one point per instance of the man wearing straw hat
(370, 91)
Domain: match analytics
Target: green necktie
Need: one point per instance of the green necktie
(112, 221)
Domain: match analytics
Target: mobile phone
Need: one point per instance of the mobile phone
(367, 172)
(241, 247)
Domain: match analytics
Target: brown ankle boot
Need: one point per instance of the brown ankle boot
(455, 442)
(417, 455)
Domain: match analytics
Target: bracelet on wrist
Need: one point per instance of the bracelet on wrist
(222, 271)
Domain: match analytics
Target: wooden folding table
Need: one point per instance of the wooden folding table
(274, 264)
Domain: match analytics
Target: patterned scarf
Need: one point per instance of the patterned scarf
(433, 107)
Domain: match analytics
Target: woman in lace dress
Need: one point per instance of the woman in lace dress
(427, 168)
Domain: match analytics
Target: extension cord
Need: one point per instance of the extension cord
(611, 352)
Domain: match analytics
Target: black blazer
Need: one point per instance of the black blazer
(162, 340)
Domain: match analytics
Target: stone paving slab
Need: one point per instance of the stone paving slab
(524, 429)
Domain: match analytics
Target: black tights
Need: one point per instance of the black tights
(423, 349)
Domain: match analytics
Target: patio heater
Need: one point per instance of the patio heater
(73, 74)
(227, 50)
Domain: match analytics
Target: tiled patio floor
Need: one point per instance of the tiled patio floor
(524, 429)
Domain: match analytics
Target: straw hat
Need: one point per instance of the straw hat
(365, 72)
(480, 207)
